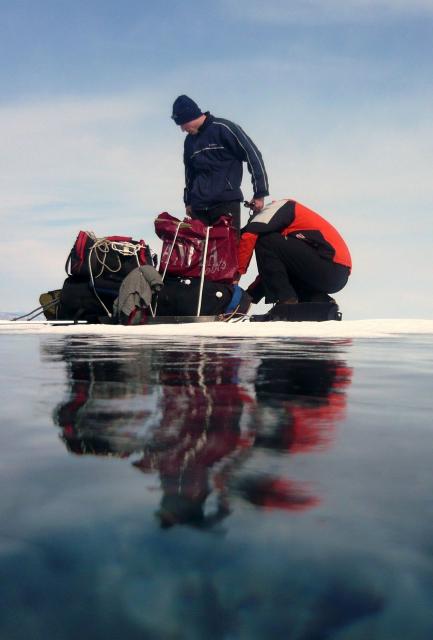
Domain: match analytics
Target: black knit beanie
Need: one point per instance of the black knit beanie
(185, 110)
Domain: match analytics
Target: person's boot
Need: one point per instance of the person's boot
(316, 296)
(283, 308)
(300, 312)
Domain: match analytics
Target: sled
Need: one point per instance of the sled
(181, 319)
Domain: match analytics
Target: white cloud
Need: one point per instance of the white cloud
(323, 11)
(99, 164)
(68, 154)
(358, 162)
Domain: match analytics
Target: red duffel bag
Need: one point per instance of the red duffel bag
(183, 246)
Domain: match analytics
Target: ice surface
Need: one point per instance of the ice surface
(332, 329)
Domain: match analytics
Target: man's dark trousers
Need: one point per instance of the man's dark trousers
(290, 268)
(211, 214)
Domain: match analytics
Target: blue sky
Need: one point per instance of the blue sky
(337, 95)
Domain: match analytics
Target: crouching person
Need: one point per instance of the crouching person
(301, 258)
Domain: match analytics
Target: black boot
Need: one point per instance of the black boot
(316, 297)
(301, 312)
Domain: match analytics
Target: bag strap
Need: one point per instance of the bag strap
(203, 270)
(171, 250)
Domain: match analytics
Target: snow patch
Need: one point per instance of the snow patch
(333, 329)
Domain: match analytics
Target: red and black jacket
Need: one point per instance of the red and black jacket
(291, 218)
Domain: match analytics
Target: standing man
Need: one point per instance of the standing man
(214, 151)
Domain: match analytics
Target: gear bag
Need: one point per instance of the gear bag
(179, 297)
(96, 268)
(183, 247)
(80, 301)
(113, 256)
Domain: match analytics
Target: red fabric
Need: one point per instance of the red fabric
(120, 238)
(308, 220)
(279, 493)
(187, 254)
(80, 244)
(245, 250)
(313, 427)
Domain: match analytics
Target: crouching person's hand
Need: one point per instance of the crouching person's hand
(257, 204)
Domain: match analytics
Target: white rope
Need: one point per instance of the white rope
(92, 279)
(203, 269)
(153, 311)
(101, 248)
(171, 250)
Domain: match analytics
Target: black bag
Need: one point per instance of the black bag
(180, 296)
(78, 300)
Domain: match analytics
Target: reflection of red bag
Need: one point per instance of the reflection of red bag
(183, 245)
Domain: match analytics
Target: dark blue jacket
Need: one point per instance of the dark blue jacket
(213, 164)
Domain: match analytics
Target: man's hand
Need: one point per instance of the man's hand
(257, 204)
(188, 210)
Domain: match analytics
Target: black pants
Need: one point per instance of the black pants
(291, 268)
(211, 214)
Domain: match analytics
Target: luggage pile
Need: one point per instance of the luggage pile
(95, 268)
(119, 280)
(115, 279)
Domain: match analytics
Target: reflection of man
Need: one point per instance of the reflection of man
(298, 402)
(303, 399)
(201, 407)
(192, 424)
(214, 152)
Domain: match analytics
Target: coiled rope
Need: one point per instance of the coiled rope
(100, 249)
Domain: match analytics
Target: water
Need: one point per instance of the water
(216, 488)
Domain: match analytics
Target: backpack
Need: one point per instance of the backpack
(79, 300)
(96, 268)
(113, 256)
(179, 297)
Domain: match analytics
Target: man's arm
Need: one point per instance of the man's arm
(246, 248)
(246, 150)
(188, 180)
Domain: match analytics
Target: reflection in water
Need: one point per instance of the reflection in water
(201, 415)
